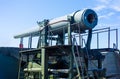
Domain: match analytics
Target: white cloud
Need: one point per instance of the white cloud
(116, 8)
(99, 8)
(112, 26)
(104, 1)
(110, 14)
(110, 4)
(106, 16)
(102, 16)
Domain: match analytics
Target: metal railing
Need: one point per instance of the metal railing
(106, 33)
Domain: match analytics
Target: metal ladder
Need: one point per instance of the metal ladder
(81, 61)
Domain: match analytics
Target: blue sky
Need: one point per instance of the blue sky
(20, 15)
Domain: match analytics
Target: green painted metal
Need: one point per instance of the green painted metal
(44, 64)
(71, 56)
(44, 58)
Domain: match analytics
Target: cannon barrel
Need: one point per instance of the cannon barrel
(86, 18)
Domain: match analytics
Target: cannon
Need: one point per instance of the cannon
(87, 19)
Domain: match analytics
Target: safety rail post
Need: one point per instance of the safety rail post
(21, 43)
(30, 42)
(97, 40)
(117, 38)
(109, 37)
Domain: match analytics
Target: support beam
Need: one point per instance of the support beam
(71, 56)
(44, 63)
(44, 56)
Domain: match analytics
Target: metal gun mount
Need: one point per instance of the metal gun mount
(71, 60)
